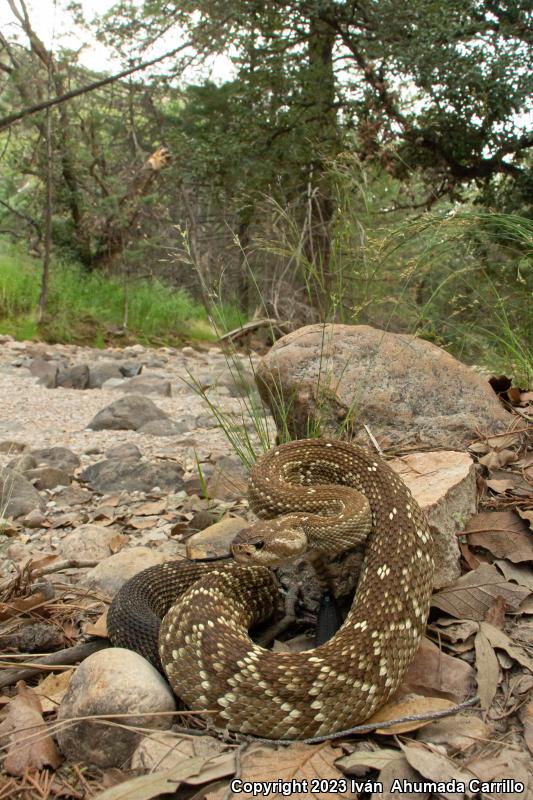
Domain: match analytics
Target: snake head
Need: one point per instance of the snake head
(268, 544)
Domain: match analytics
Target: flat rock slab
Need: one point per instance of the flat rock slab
(405, 389)
(216, 539)
(90, 542)
(127, 413)
(132, 474)
(111, 573)
(444, 484)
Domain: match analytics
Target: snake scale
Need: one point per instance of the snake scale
(320, 494)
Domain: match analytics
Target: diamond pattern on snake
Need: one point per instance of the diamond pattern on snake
(191, 620)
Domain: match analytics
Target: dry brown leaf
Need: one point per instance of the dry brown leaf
(373, 759)
(103, 512)
(471, 558)
(149, 786)
(436, 767)
(520, 573)
(118, 542)
(499, 639)
(36, 564)
(30, 745)
(114, 500)
(23, 604)
(498, 458)
(457, 733)
(527, 516)
(503, 533)
(398, 770)
(299, 762)
(51, 690)
(502, 485)
(499, 441)
(526, 715)
(164, 750)
(487, 669)
(456, 630)
(143, 523)
(64, 520)
(496, 613)
(153, 508)
(472, 595)
(437, 674)
(497, 767)
(526, 607)
(407, 707)
(98, 628)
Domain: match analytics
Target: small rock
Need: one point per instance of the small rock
(163, 427)
(90, 542)
(201, 520)
(206, 421)
(76, 377)
(135, 350)
(124, 451)
(22, 463)
(133, 475)
(216, 539)
(127, 413)
(113, 571)
(47, 477)
(45, 371)
(19, 497)
(130, 368)
(35, 519)
(154, 362)
(59, 457)
(112, 681)
(147, 384)
(205, 379)
(113, 383)
(10, 446)
(101, 372)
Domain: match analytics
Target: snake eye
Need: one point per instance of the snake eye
(259, 545)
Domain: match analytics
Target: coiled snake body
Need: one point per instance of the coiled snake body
(312, 494)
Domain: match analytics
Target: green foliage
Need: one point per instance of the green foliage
(82, 306)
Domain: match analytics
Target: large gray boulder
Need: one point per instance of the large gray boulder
(404, 389)
(127, 413)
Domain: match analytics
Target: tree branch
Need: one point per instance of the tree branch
(5, 122)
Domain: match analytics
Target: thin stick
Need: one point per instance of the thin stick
(58, 660)
(372, 726)
(373, 440)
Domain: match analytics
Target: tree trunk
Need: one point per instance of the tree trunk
(323, 129)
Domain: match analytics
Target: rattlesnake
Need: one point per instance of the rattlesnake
(207, 655)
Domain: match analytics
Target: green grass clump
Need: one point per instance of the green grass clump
(82, 307)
